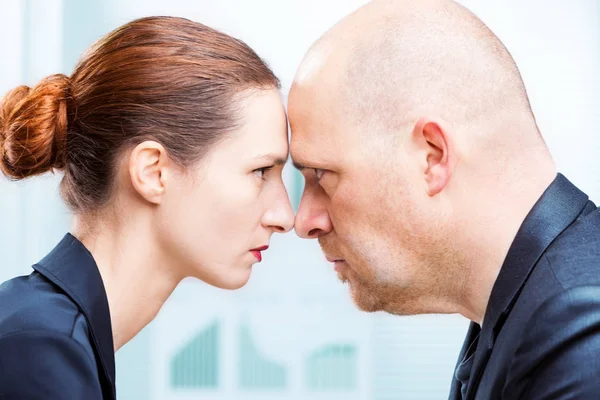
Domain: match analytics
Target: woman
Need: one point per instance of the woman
(172, 138)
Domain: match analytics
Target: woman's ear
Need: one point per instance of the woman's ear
(147, 164)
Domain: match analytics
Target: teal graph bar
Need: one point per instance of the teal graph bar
(254, 371)
(196, 365)
(332, 368)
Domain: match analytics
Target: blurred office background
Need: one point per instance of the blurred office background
(292, 332)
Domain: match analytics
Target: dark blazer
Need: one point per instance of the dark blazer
(55, 333)
(540, 337)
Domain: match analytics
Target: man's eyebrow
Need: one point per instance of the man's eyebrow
(300, 167)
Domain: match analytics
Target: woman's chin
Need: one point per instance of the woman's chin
(233, 285)
(232, 281)
(223, 275)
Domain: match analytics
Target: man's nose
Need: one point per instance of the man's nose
(312, 219)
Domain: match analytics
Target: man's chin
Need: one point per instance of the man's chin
(366, 303)
(343, 278)
(364, 299)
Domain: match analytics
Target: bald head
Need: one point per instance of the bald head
(421, 155)
(393, 61)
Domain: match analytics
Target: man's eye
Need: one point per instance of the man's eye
(318, 173)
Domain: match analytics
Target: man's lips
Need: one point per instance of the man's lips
(338, 262)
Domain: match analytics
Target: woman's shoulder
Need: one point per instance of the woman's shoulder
(44, 348)
(31, 303)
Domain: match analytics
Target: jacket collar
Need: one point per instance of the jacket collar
(557, 208)
(71, 267)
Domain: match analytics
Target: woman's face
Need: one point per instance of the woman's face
(221, 216)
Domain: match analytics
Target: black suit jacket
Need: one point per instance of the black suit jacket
(540, 337)
(55, 333)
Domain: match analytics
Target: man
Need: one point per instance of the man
(430, 187)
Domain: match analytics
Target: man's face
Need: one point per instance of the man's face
(364, 202)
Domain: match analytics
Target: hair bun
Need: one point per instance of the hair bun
(33, 128)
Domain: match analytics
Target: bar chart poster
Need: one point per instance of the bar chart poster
(237, 353)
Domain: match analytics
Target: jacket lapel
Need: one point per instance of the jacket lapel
(559, 207)
(455, 388)
(71, 267)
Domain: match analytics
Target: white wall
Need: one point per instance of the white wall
(557, 47)
(32, 216)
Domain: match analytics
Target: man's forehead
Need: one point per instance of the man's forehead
(302, 146)
(319, 124)
(320, 145)
(308, 141)
(315, 105)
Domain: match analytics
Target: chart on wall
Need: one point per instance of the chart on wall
(235, 352)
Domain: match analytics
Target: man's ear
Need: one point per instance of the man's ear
(147, 164)
(438, 151)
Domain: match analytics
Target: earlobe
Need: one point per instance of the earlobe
(146, 170)
(438, 154)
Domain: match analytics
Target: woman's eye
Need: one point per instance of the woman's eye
(260, 172)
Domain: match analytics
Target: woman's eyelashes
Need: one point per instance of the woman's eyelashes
(260, 172)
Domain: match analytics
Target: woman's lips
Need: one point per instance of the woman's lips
(257, 252)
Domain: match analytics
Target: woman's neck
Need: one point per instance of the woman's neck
(136, 278)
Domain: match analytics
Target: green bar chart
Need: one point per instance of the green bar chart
(196, 365)
(332, 368)
(255, 372)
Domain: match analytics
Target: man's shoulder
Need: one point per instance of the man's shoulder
(574, 257)
(555, 323)
(556, 351)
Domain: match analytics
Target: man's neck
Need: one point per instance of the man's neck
(491, 241)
